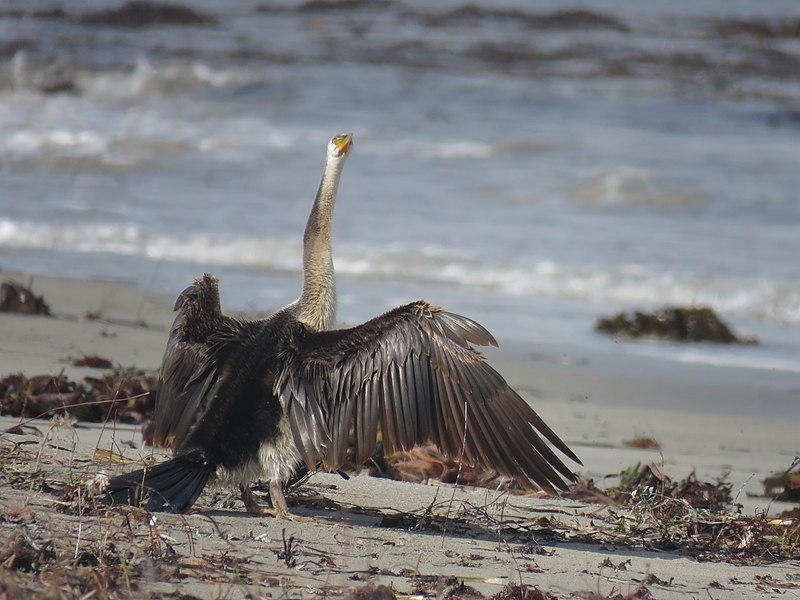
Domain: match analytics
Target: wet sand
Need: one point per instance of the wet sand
(362, 538)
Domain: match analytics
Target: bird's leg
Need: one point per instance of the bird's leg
(279, 508)
(278, 499)
(250, 503)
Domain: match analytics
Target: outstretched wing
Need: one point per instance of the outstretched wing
(414, 372)
(188, 369)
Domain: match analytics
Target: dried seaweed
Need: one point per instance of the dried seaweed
(648, 479)
(16, 298)
(93, 361)
(126, 394)
(689, 516)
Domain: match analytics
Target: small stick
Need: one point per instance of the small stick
(458, 474)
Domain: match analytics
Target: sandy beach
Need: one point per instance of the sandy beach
(357, 532)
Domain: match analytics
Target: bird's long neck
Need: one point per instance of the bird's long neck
(317, 303)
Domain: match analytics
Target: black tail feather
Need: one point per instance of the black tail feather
(172, 486)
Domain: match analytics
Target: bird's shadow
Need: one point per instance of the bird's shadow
(439, 518)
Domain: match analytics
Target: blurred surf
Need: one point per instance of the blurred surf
(533, 169)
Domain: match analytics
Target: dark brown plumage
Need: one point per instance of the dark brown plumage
(188, 369)
(245, 400)
(413, 372)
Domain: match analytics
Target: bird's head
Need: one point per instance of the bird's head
(340, 145)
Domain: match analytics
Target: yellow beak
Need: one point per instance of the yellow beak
(343, 143)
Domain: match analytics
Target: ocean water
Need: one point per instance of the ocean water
(528, 165)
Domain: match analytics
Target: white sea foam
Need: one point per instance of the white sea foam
(739, 357)
(80, 141)
(624, 186)
(147, 78)
(459, 149)
(126, 116)
(626, 285)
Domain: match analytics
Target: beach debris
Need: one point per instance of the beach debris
(18, 515)
(368, 592)
(641, 479)
(676, 323)
(287, 554)
(514, 591)
(140, 13)
(93, 361)
(127, 395)
(620, 566)
(440, 586)
(128, 547)
(448, 587)
(689, 516)
(33, 568)
(648, 485)
(642, 442)
(83, 497)
(16, 298)
(785, 485)
(20, 553)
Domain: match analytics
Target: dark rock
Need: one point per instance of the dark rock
(322, 5)
(782, 28)
(139, 13)
(560, 19)
(579, 19)
(681, 324)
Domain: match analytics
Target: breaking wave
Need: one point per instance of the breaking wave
(624, 285)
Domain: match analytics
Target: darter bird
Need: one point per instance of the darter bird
(240, 401)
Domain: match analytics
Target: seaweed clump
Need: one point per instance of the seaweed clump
(16, 298)
(124, 394)
(690, 516)
(680, 324)
(639, 479)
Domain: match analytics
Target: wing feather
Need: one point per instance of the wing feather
(189, 368)
(367, 421)
(391, 430)
(414, 372)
